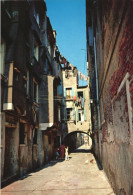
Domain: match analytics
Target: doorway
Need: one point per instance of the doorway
(10, 163)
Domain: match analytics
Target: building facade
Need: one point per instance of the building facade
(30, 78)
(77, 103)
(109, 26)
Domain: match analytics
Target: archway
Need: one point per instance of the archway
(76, 139)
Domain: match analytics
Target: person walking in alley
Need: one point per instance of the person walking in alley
(56, 153)
(62, 151)
(66, 153)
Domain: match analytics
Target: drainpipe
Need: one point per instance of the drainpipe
(97, 89)
(88, 74)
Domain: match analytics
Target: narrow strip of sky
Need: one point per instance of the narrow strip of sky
(68, 18)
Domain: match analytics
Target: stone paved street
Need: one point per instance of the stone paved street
(78, 176)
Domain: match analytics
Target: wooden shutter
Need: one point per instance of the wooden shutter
(72, 91)
(84, 114)
(64, 92)
(83, 94)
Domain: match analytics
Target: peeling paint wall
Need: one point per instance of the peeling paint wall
(117, 155)
(113, 142)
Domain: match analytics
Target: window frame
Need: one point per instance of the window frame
(80, 92)
(81, 117)
(69, 89)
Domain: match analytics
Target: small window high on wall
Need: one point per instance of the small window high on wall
(70, 114)
(81, 115)
(69, 92)
(80, 94)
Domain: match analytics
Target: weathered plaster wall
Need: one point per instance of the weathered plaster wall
(48, 148)
(11, 155)
(79, 126)
(70, 81)
(117, 97)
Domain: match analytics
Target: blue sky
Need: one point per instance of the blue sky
(68, 18)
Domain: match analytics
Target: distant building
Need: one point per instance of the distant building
(77, 103)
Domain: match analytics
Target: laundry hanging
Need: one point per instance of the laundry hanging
(74, 69)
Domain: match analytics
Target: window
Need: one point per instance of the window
(80, 94)
(70, 114)
(3, 51)
(21, 133)
(36, 15)
(49, 47)
(35, 136)
(35, 90)
(68, 92)
(59, 88)
(36, 50)
(81, 115)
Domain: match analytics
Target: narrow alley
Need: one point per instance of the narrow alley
(66, 86)
(79, 175)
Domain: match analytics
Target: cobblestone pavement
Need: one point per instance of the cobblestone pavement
(78, 176)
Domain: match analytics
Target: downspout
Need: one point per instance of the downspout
(90, 126)
(97, 88)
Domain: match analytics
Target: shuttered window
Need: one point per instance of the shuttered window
(68, 92)
(80, 94)
(81, 115)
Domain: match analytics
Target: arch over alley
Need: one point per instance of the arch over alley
(76, 139)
